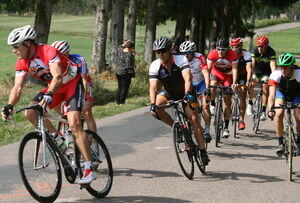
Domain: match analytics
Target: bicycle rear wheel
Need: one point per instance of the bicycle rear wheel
(183, 151)
(43, 183)
(102, 165)
(256, 113)
(218, 123)
(199, 162)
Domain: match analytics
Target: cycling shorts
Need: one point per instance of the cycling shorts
(260, 77)
(242, 79)
(71, 92)
(227, 80)
(167, 96)
(199, 88)
(282, 97)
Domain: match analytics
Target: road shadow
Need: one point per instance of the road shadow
(253, 146)
(144, 173)
(258, 157)
(123, 199)
(260, 136)
(213, 176)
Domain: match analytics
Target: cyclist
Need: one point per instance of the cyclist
(174, 74)
(284, 84)
(201, 80)
(64, 48)
(244, 75)
(46, 63)
(223, 64)
(264, 62)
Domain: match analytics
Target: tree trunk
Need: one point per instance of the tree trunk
(43, 19)
(117, 29)
(131, 23)
(181, 23)
(194, 30)
(252, 23)
(100, 35)
(150, 31)
(202, 39)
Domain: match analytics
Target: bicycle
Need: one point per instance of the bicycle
(257, 107)
(185, 148)
(235, 116)
(290, 146)
(218, 120)
(40, 158)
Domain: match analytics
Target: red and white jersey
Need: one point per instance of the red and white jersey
(197, 65)
(222, 65)
(39, 65)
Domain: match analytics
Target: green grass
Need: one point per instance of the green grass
(79, 30)
(268, 22)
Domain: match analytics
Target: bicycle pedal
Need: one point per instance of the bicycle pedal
(84, 186)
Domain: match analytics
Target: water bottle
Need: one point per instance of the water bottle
(60, 141)
(69, 142)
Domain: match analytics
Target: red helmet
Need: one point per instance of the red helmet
(262, 40)
(236, 42)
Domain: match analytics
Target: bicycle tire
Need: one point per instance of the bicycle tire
(34, 185)
(235, 117)
(290, 153)
(219, 123)
(257, 113)
(199, 162)
(183, 151)
(100, 187)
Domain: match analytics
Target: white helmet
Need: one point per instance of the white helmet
(21, 34)
(62, 46)
(187, 46)
(162, 43)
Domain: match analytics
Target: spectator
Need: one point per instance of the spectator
(124, 69)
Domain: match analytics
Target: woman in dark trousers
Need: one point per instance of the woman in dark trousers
(124, 69)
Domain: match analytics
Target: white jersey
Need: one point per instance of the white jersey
(197, 65)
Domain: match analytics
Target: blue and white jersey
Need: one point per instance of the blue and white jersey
(80, 62)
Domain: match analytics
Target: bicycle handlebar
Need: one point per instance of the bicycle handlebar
(37, 107)
(286, 106)
(220, 86)
(171, 103)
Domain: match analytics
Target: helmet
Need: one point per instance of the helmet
(286, 59)
(21, 34)
(222, 43)
(187, 46)
(262, 40)
(162, 43)
(236, 42)
(62, 46)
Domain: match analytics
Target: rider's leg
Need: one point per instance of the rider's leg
(213, 82)
(163, 115)
(279, 113)
(206, 111)
(297, 119)
(265, 97)
(242, 96)
(227, 109)
(88, 116)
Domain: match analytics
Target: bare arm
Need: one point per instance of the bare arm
(234, 73)
(57, 79)
(271, 99)
(84, 81)
(209, 65)
(187, 76)
(206, 75)
(249, 70)
(152, 91)
(16, 91)
(273, 64)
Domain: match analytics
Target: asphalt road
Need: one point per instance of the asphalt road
(243, 169)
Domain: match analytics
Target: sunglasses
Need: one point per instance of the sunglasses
(16, 46)
(221, 49)
(187, 53)
(285, 67)
(161, 51)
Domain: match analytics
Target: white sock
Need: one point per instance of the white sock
(87, 165)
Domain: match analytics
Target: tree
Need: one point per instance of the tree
(100, 35)
(42, 21)
(150, 30)
(131, 22)
(117, 28)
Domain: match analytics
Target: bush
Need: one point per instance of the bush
(269, 22)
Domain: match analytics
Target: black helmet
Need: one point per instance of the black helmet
(162, 43)
(222, 43)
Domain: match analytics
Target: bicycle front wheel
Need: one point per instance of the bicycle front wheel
(183, 151)
(102, 165)
(199, 162)
(219, 122)
(290, 153)
(42, 181)
(256, 113)
(235, 117)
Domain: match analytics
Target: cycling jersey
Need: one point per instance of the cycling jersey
(172, 80)
(197, 64)
(262, 61)
(38, 66)
(287, 86)
(222, 67)
(243, 61)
